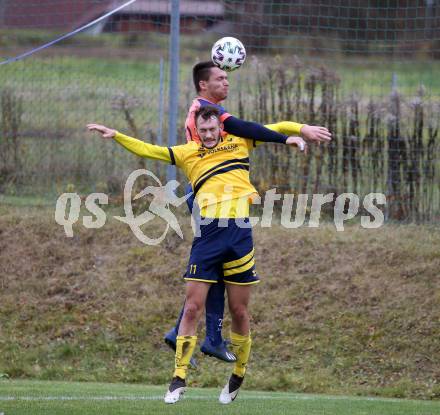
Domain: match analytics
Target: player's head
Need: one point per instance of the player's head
(210, 81)
(208, 125)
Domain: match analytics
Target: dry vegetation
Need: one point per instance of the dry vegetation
(351, 312)
(380, 143)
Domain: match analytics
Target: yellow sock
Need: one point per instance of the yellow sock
(185, 346)
(241, 346)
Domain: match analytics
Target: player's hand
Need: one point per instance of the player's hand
(315, 133)
(297, 141)
(105, 131)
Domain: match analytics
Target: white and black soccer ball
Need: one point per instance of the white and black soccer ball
(228, 53)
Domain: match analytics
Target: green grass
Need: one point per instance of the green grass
(25, 201)
(373, 78)
(31, 397)
(62, 93)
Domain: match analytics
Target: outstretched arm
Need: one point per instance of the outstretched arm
(252, 130)
(308, 132)
(133, 145)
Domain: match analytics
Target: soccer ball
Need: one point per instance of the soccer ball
(228, 53)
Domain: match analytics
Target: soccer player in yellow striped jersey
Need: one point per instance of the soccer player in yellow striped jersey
(227, 161)
(212, 87)
(218, 170)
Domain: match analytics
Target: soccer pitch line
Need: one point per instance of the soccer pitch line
(243, 396)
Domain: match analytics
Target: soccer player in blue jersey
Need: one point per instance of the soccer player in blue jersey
(220, 252)
(212, 87)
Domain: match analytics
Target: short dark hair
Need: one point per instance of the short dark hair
(201, 72)
(207, 112)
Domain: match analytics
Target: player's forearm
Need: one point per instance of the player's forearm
(288, 128)
(142, 149)
(252, 130)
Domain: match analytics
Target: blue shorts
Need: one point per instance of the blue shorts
(223, 253)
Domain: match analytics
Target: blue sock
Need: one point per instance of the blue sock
(215, 308)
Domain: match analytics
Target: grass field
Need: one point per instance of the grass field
(35, 398)
(94, 308)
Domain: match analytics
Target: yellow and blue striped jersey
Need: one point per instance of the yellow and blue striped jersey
(219, 176)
